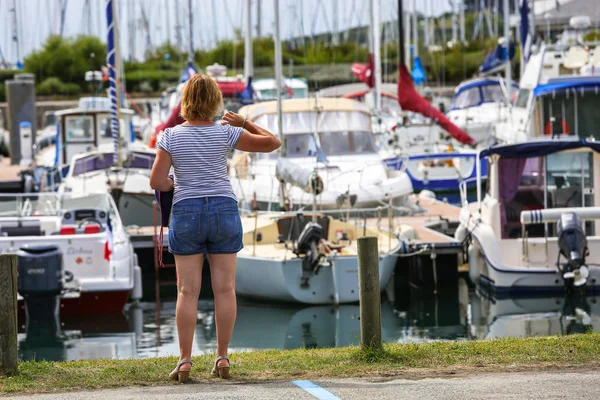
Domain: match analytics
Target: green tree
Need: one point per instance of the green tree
(67, 59)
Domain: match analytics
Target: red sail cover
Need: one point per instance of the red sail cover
(365, 73)
(174, 119)
(411, 100)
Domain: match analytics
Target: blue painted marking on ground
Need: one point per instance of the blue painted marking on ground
(316, 390)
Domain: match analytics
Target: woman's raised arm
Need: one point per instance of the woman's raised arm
(254, 138)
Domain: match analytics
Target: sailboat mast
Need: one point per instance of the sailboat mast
(248, 55)
(508, 69)
(279, 77)
(376, 43)
(191, 28)
(415, 29)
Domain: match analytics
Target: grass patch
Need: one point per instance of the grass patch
(408, 360)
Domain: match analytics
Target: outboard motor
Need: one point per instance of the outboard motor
(572, 244)
(308, 244)
(40, 282)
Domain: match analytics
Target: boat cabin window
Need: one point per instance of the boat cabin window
(492, 94)
(104, 131)
(300, 145)
(49, 119)
(79, 128)
(571, 113)
(332, 143)
(558, 180)
(523, 98)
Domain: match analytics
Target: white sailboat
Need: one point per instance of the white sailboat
(306, 258)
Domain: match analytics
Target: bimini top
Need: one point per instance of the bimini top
(303, 105)
(478, 82)
(539, 148)
(566, 84)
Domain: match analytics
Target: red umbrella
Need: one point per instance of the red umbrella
(411, 100)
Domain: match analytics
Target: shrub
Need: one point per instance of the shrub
(54, 86)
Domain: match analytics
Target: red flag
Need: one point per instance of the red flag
(365, 73)
(411, 100)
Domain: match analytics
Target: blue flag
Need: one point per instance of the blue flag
(526, 39)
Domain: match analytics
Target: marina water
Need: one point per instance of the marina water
(413, 316)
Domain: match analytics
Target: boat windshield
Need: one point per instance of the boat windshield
(572, 113)
(92, 162)
(559, 180)
(476, 95)
(51, 204)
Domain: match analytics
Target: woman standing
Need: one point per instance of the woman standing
(205, 217)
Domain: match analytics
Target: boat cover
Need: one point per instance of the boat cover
(538, 148)
(497, 58)
(410, 100)
(579, 83)
(298, 176)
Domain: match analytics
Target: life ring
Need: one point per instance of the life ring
(563, 124)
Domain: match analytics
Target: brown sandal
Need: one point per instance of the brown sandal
(221, 372)
(177, 374)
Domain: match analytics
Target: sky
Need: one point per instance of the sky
(36, 19)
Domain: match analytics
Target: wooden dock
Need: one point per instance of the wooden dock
(10, 180)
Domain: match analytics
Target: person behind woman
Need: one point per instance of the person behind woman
(204, 218)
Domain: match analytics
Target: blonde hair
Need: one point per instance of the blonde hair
(201, 98)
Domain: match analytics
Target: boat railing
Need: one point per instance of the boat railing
(50, 179)
(463, 189)
(551, 215)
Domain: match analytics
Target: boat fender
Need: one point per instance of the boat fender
(136, 293)
(461, 233)
(427, 194)
(474, 259)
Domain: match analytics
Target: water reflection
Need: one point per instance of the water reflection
(414, 316)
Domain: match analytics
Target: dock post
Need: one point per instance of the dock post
(369, 293)
(8, 314)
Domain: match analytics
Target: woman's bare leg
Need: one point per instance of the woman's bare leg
(222, 271)
(189, 281)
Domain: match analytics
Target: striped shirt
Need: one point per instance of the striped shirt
(199, 157)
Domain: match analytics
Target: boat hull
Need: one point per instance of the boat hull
(442, 178)
(279, 280)
(96, 302)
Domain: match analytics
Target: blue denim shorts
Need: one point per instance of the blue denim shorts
(210, 225)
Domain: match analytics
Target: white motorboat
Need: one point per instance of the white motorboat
(479, 105)
(94, 246)
(330, 137)
(527, 235)
(558, 92)
(83, 160)
(297, 258)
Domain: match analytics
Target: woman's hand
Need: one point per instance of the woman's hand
(233, 119)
